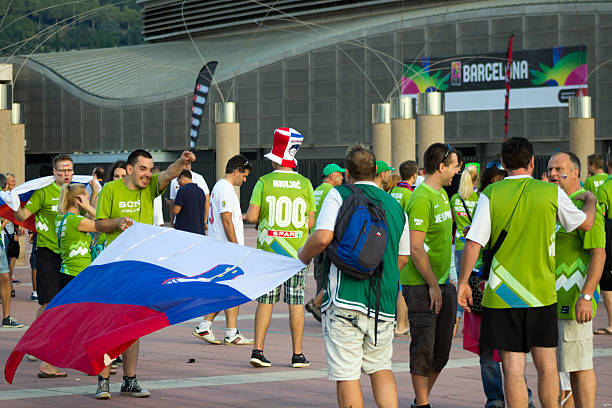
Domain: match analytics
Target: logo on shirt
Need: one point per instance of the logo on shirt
(129, 204)
(286, 184)
(417, 221)
(443, 217)
(285, 234)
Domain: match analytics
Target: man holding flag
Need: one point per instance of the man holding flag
(43, 205)
(132, 197)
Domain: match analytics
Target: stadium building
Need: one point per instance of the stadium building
(316, 66)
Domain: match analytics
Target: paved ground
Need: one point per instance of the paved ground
(222, 377)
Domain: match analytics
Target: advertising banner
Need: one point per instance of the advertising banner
(540, 78)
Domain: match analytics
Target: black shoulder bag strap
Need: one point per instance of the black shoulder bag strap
(466, 209)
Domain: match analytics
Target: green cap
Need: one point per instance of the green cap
(331, 168)
(381, 166)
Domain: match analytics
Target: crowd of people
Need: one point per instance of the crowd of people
(520, 260)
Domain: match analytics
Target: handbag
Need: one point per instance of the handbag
(476, 283)
(13, 249)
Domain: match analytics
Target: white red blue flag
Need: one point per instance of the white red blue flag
(10, 201)
(146, 279)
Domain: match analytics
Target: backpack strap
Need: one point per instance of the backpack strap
(59, 230)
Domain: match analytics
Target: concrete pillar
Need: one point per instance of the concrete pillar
(227, 129)
(581, 130)
(403, 130)
(381, 131)
(430, 122)
(12, 146)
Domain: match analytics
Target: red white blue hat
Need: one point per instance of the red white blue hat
(287, 142)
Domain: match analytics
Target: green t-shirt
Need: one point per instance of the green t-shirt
(115, 201)
(402, 195)
(357, 294)
(592, 183)
(285, 200)
(319, 196)
(43, 203)
(74, 247)
(461, 216)
(604, 196)
(523, 269)
(572, 261)
(429, 212)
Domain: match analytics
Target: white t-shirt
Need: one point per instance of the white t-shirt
(158, 214)
(224, 199)
(568, 216)
(196, 178)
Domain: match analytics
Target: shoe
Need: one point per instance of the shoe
(103, 390)
(206, 335)
(299, 361)
(131, 387)
(16, 282)
(414, 405)
(258, 360)
(119, 360)
(314, 309)
(113, 368)
(31, 357)
(12, 292)
(237, 340)
(9, 322)
(34, 296)
(57, 374)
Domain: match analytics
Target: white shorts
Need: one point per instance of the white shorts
(349, 344)
(575, 350)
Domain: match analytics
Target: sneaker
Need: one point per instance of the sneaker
(313, 309)
(237, 340)
(34, 296)
(103, 390)
(258, 360)
(119, 360)
(113, 368)
(16, 281)
(414, 405)
(206, 335)
(9, 322)
(131, 387)
(299, 361)
(31, 357)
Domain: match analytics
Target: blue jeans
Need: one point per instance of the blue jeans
(491, 375)
(457, 265)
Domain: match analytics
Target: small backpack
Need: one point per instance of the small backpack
(360, 241)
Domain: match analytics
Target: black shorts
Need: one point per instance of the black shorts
(519, 329)
(605, 283)
(431, 335)
(64, 279)
(47, 274)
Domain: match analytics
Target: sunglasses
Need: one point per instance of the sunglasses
(495, 163)
(449, 150)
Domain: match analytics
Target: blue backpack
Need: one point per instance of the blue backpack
(360, 241)
(360, 236)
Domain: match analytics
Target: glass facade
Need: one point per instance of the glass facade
(327, 92)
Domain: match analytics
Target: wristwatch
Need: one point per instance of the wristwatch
(585, 297)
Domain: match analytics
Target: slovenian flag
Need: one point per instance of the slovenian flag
(146, 279)
(10, 201)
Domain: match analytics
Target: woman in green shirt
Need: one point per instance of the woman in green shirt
(73, 230)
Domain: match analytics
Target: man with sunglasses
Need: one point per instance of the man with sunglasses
(225, 224)
(519, 310)
(431, 299)
(43, 205)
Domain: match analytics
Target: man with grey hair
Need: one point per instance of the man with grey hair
(579, 261)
